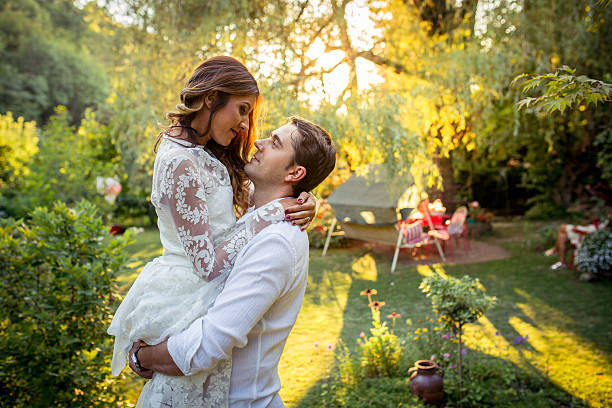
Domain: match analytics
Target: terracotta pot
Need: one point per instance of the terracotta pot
(425, 382)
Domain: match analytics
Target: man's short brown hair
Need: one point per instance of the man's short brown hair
(314, 151)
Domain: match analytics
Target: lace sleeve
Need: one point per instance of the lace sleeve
(186, 188)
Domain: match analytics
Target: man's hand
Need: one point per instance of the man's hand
(145, 373)
(153, 359)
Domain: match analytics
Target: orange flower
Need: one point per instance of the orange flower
(376, 304)
(369, 292)
(394, 316)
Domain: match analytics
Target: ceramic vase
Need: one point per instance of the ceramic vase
(426, 381)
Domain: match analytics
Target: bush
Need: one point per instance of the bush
(544, 210)
(18, 142)
(541, 238)
(57, 297)
(594, 255)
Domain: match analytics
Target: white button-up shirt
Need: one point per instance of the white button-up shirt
(252, 317)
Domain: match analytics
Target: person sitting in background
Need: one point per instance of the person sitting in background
(572, 234)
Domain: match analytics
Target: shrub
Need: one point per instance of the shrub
(458, 302)
(541, 238)
(57, 297)
(64, 168)
(429, 338)
(544, 210)
(18, 142)
(594, 255)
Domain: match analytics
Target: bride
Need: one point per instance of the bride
(199, 186)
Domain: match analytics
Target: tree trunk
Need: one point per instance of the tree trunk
(449, 187)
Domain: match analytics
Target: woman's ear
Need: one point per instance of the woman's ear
(210, 99)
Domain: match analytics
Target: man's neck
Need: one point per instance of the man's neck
(263, 194)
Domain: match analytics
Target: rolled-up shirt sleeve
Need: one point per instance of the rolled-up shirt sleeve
(259, 277)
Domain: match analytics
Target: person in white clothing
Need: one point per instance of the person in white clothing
(199, 185)
(253, 315)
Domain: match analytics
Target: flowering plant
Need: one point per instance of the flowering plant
(479, 214)
(381, 351)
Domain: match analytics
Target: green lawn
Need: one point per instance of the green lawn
(568, 322)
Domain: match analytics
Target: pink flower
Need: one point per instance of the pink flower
(446, 355)
(445, 336)
(474, 204)
(452, 366)
(116, 189)
(362, 334)
(433, 357)
(330, 347)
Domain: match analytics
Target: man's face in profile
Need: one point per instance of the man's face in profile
(274, 156)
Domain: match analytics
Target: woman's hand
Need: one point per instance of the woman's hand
(301, 211)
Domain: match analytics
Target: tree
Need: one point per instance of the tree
(42, 63)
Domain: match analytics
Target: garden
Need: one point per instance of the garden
(536, 346)
(477, 273)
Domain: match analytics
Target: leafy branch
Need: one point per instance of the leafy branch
(562, 89)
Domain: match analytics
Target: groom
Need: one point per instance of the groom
(252, 317)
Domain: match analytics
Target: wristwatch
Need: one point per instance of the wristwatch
(135, 360)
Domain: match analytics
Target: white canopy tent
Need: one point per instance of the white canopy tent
(369, 205)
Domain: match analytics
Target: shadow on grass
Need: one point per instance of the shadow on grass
(566, 322)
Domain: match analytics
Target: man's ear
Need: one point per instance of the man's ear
(210, 99)
(296, 174)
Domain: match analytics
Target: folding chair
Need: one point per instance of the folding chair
(437, 235)
(408, 236)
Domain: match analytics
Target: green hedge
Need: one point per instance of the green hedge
(57, 283)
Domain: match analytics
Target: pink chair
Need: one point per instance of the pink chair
(410, 235)
(456, 228)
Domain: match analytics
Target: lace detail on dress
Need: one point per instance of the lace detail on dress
(196, 391)
(188, 177)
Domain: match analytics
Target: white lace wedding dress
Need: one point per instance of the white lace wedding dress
(192, 195)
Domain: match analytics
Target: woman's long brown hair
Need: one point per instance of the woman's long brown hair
(223, 76)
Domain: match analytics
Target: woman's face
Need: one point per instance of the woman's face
(232, 120)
